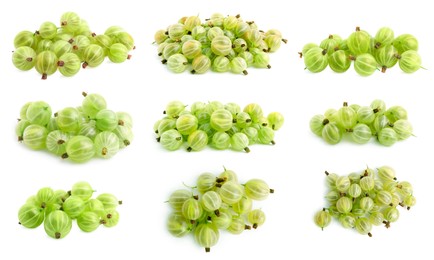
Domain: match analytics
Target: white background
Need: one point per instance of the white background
(143, 175)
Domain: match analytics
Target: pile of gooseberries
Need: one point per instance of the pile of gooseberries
(222, 126)
(217, 202)
(69, 46)
(361, 123)
(77, 133)
(57, 209)
(365, 199)
(220, 43)
(368, 53)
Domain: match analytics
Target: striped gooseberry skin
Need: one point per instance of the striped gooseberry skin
(178, 197)
(331, 133)
(70, 22)
(25, 38)
(171, 140)
(347, 117)
(387, 136)
(109, 201)
(221, 140)
(221, 45)
(221, 64)
(322, 218)
(89, 221)
(239, 142)
(24, 58)
(361, 133)
(405, 42)
(106, 120)
(211, 201)
(30, 215)
(221, 120)
(176, 31)
(257, 189)
(256, 217)
(46, 63)
(275, 120)
(200, 64)
(266, 135)
(410, 61)
(177, 63)
(223, 220)
(231, 192)
(93, 56)
(79, 149)
(339, 61)
(126, 39)
(359, 42)
(384, 37)
(83, 190)
(177, 225)
(60, 47)
(34, 136)
(111, 218)
(92, 104)
(386, 57)
(316, 59)
(197, 140)
(57, 224)
(56, 142)
(47, 30)
(206, 235)
(238, 65)
(94, 205)
(191, 209)
(365, 64)
(106, 144)
(191, 49)
(344, 205)
(38, 112)
(69, 64)
(20, 127)
(68, 120)
(74, 206)
(363, 226)
(186, 124)
(244, 205)
(118, 53)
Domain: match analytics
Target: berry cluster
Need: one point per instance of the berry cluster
(57, 208)
(76, 133)
(216, 203)
(221, 43)
(363, 122)
(369, 54)
(361, 200)
(223, 126)
(69, 47)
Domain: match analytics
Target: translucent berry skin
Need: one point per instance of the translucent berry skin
(118, 53)
(316, 59)
(257, 189)
(206, 235)
(79, 149)
(177, 225)
(46, 63)
(186, 124)
(339, 61)
(109, 201)
(106, 120)
(405, 42)
(239, 142)
(384, 37)
(387, 136)
(47, 30)
(197, 140)
(410, 61)
(322, 219)
(30, 215)
(57, 224)
(34, 136)
(171, 140)
(331, 133)
(365, 64)
(73, 206)
(106, 144)
(69, 64)
(88, 221)
(359, 42)
(177, 63)
(93, 56)
(221, 120)
(200, 64)
(256, 217)
(24, 58)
